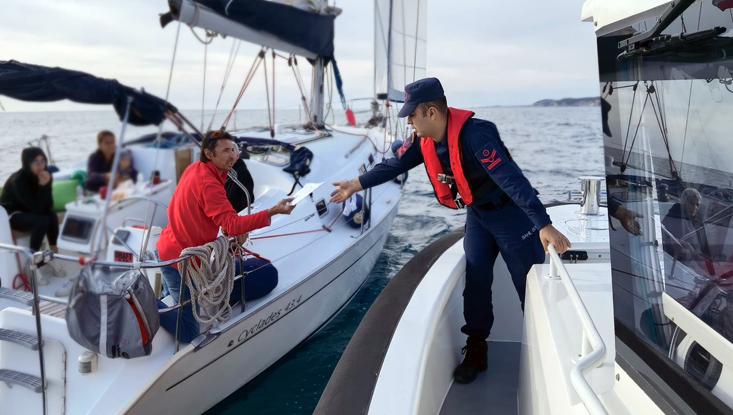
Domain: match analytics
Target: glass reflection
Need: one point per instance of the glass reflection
(668, 146)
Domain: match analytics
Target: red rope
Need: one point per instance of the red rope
(255, 254)
(324, 229)
(24, 283)
(290, 234)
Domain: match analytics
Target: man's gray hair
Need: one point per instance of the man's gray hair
(688, 195)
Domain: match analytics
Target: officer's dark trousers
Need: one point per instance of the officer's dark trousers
(506, 230)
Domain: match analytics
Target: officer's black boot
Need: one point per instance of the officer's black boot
(474, 362)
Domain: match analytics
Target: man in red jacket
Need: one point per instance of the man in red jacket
(198, 209)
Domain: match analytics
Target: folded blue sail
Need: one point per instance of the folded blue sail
(271, 24)
(37, 83)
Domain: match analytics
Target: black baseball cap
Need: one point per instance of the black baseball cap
(422, 90)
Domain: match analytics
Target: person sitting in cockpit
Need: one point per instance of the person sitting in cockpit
(198, 209)
(28, 199)
(126, 170)
(99, 165)
(686, 241)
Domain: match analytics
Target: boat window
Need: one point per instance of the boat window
(668, 144)
(120, 237)
(77, 229)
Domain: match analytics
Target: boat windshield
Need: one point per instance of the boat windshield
(668, 143)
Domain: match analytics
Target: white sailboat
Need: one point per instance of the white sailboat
(636, 318)
(321, 259)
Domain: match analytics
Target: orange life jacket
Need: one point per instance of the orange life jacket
(457, 118)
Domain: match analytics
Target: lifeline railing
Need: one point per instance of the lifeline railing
(40, 258)
(34, 260)
(47, 256)
(592, 347)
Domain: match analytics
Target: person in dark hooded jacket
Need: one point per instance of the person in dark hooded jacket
(28, 200)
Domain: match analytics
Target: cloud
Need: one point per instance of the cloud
(485, 53)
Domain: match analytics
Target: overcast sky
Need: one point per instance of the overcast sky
(485, 52)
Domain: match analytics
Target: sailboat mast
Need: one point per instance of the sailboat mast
(389, 51)
(374, 48)
(317, 104)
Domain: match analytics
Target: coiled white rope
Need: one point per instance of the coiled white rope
(209, 275)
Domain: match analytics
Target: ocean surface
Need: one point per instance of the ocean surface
(553, 146)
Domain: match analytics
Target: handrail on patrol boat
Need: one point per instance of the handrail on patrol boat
(34, 260)
(592, 347)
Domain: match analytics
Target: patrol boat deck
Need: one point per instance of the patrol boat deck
(414, 328)
(496, 388)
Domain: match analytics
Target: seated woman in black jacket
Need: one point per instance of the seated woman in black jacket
(28, 200)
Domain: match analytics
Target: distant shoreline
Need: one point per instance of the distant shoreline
(563, 102)
(568, 102)
(544, 103)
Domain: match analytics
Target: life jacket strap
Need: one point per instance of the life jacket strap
(447, 179)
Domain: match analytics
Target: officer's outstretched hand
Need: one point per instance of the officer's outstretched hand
(550, 235)
(344, 190)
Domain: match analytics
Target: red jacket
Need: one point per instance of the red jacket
(197, 210)
(456, 120)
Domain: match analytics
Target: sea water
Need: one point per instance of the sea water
(553, 146)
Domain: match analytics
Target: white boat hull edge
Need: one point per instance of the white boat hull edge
(288, 320)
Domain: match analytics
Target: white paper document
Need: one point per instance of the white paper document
(304, 192)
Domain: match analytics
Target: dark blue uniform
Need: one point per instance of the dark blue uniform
(505, 217)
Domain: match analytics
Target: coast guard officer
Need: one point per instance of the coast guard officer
(468, 165)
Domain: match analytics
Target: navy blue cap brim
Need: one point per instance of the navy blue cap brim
(407, 109)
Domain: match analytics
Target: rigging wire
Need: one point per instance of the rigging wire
(613, 88)
(684, 136)
(662, 128)
(234, 51)
(699, 15)
(160, 126)
(417, 32)
(274, 107)
(267, 97)
(293, 63)
(641, 116)
(682, 20)
(247, 80)
(330, 82)
(388, 112)
(168, 87)
(203, 85)
(326, 83)
(404, 43)
(631, 114)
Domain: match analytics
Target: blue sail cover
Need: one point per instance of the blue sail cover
(308, 30)
(37, 83)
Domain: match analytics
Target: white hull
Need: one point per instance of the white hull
(246, 348)
(321, 263)
(531, 354)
